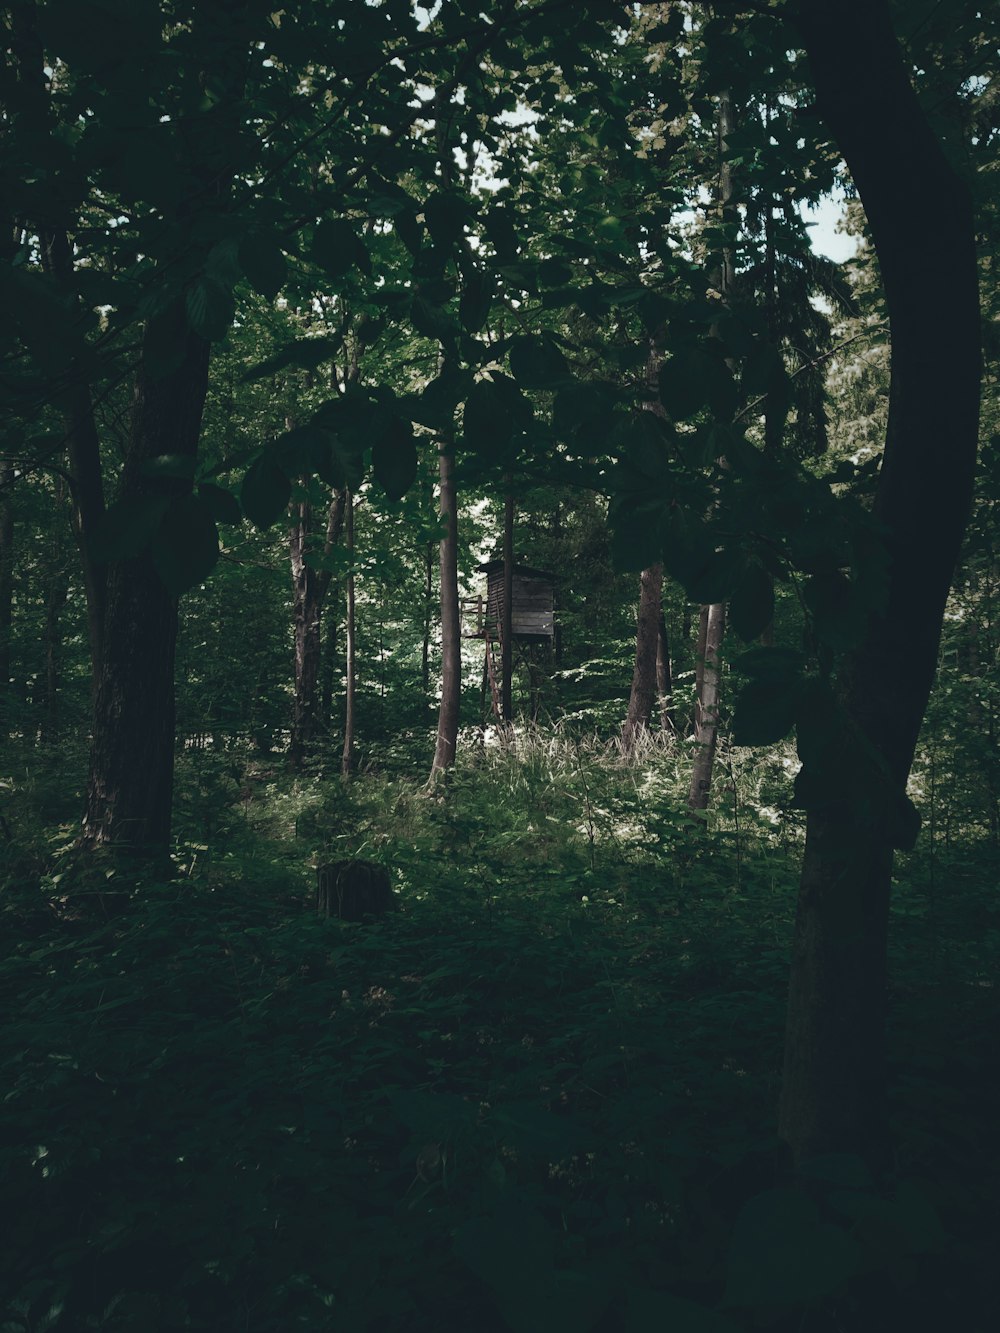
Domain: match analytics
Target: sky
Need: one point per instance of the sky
(823, 231)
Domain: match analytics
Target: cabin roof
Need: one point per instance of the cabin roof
(525, 571)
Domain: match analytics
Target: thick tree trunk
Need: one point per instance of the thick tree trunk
(130, 782)
(644, 676)
(706, 722)
(350, 665)
(833, 1091)
(309, 589)
(451, 641)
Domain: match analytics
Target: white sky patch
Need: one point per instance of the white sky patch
(823, 222)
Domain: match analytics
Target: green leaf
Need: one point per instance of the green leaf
(220, 503)
(337, 248)
(774, 664)
(435, 407)
(432, 321)
(302, 450)
(394, 458)
(263, 264)
(554, 273)
(751, 609)
(306, 353)
(537, 363)
(185, 547)
(642, 441)
(210, 309)
(636, 532)
(446, 214)
(265, 492)
(501, 231)
(717, 578)
(475, 300)
(495, 411)
(765, 712)
(838, 618)
(696, 378)
(128, 526)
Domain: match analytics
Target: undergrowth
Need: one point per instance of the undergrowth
(540, 1096)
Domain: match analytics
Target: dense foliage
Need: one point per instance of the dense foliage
(538, 1096)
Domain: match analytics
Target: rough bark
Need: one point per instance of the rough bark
(706, 722)
(644, 677)
(833, 1091)
(350, 666)
(130, 781)
(451, 641)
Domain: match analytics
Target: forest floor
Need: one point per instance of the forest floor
(539, 1096)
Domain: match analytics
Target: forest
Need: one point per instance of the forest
(499, 666)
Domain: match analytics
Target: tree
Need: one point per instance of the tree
(451, 630)
(647, 656)
(859, 754)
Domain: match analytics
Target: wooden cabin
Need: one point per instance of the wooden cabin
(532, 618)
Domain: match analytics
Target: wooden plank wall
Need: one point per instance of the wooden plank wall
(532, 616)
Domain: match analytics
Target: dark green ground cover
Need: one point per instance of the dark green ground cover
(540, 1096)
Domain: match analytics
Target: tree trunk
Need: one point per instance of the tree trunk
(451, 641)
(713, 618)
(507, 627)
(306, 634)
(644, 675)
(347, 757)
(833, 1093)
(130, 782)
(309, 589)
(706, 723)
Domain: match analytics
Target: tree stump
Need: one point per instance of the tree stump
(353, 890)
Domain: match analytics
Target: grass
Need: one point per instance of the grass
(539, 1096)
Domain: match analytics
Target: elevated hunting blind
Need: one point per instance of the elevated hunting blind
(532, 623)
(531, 607)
